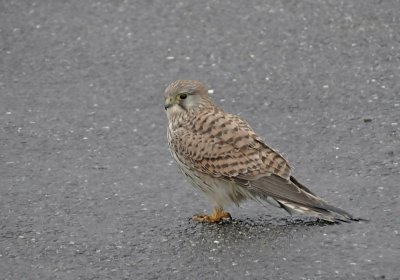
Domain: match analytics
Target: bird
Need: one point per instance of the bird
(222, 156)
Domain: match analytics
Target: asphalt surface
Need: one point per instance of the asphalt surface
(88, 189)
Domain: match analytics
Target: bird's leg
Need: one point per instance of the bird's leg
(217, 216)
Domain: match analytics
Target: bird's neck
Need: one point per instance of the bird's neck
(181, 118)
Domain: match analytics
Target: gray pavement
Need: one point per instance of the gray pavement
(88, 189)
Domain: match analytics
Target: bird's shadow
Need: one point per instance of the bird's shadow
(267, 228)
(268, 222)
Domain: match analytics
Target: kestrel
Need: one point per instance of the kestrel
(221, 155)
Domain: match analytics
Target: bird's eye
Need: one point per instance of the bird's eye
(182, 96)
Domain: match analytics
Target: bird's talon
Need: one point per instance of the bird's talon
(215, 217)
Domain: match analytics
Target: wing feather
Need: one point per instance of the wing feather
(223, 145)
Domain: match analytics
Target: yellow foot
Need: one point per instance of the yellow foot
(217, 216)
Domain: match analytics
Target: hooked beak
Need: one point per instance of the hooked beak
(168, 103)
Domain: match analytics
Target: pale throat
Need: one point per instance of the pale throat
(175, 115)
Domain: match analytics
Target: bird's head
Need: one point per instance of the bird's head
(185, 95)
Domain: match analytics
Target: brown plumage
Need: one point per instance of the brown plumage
(222, 156)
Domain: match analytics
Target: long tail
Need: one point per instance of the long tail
(295, 197)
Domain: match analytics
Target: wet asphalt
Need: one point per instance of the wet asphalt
(88, 189)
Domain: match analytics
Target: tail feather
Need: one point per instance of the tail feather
(323, 213)
(295, 197)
